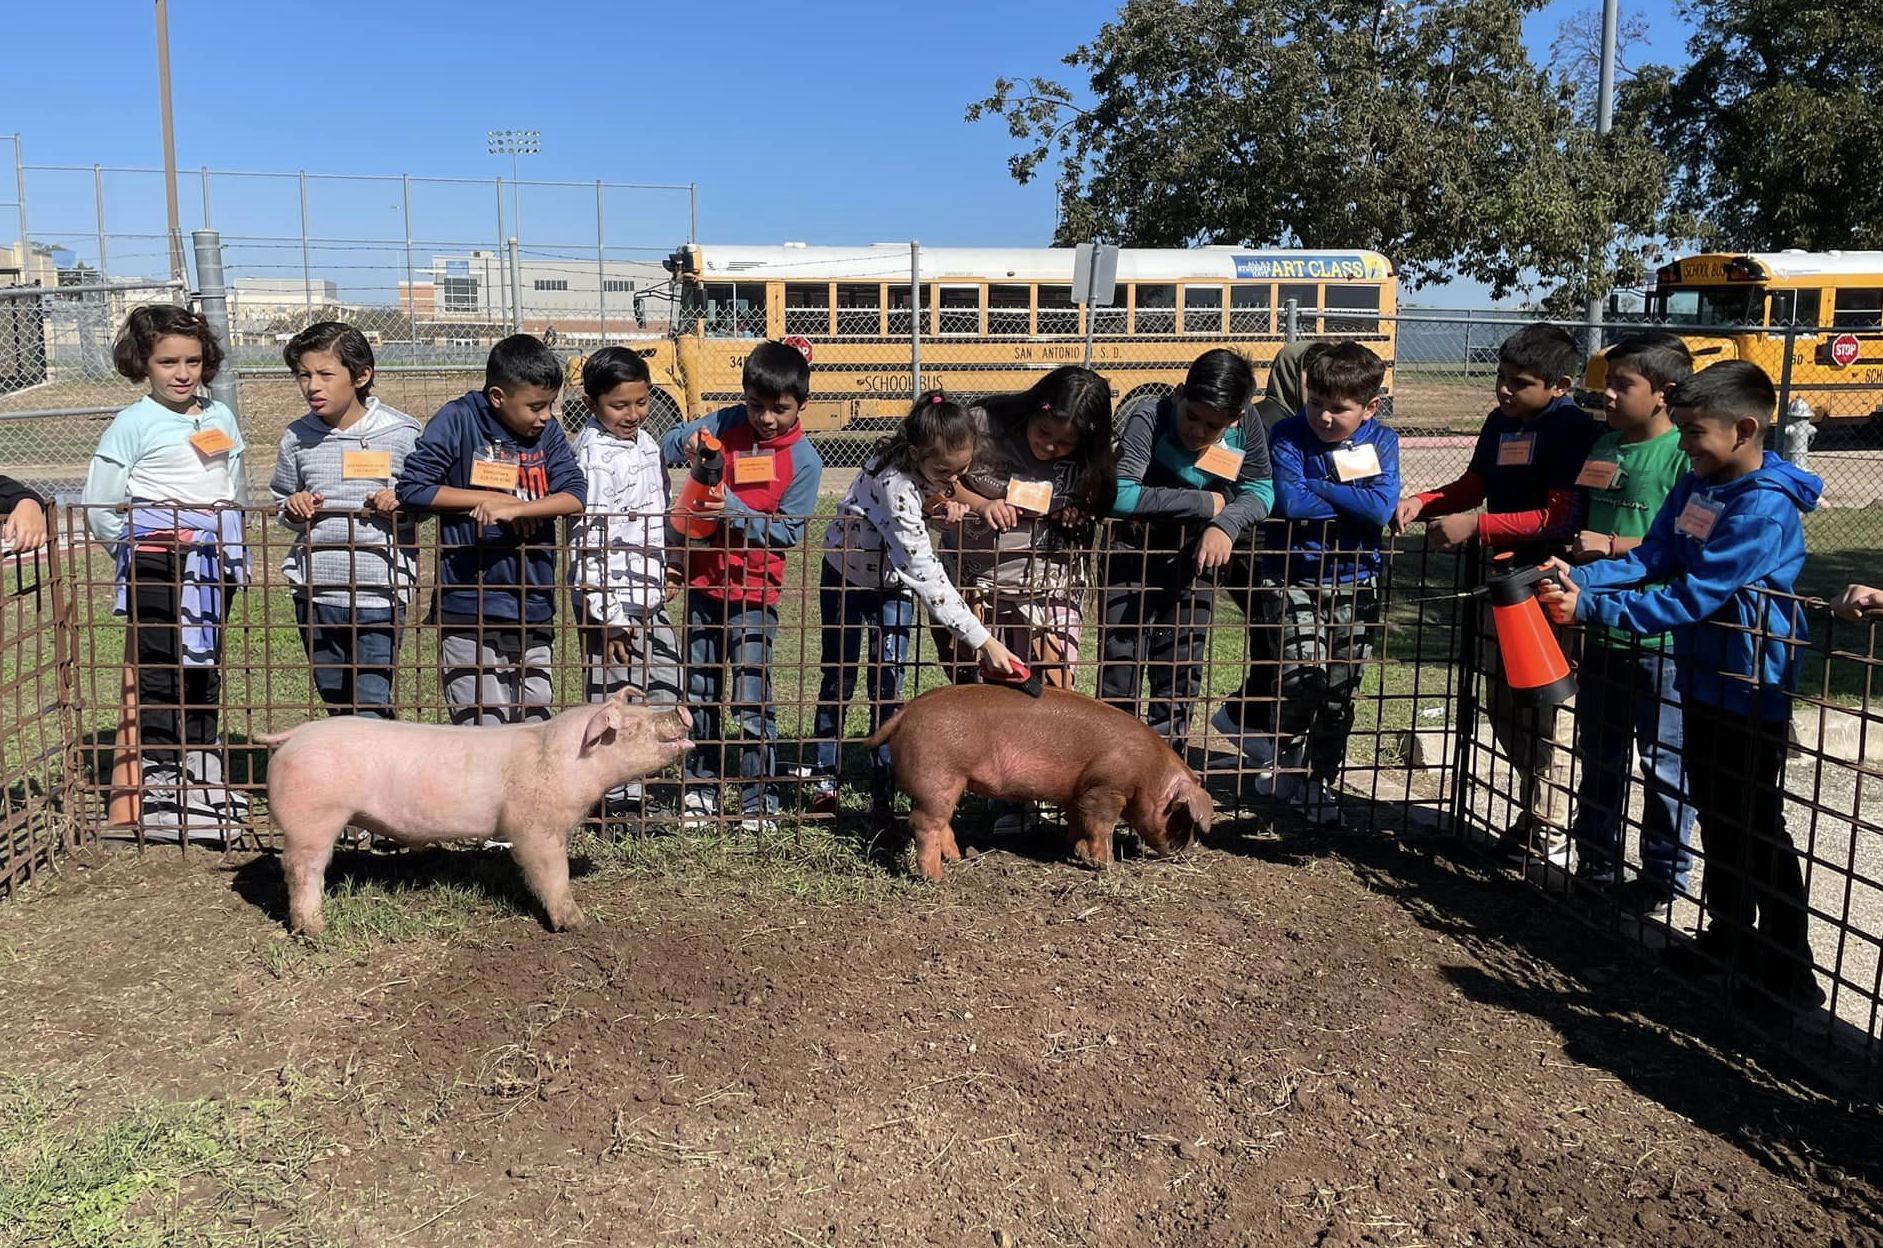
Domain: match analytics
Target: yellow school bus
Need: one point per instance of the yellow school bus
(1738, 306)
(994, 319)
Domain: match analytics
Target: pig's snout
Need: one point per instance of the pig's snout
(673, 727)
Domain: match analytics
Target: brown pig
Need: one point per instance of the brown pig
(528, 784)
(1095, 761)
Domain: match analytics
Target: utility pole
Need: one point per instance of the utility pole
(177, 271)
(1604, 122)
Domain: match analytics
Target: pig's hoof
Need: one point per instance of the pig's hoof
(310, 926)
(570, 920)
(928, 869)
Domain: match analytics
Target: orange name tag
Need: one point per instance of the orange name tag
(365, 465)
(1035, 496)
(1598, 474)
(491, 474)
(1356, 463)
(1220, 461)
(1698, 517)
(212, 442)
(754, 469)
(1515, 449)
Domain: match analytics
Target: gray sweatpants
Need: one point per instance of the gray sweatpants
(496, 675)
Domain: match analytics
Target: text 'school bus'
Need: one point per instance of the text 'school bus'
(1739, 307)
(993, 319)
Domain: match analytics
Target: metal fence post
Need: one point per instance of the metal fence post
(1291, 319)
(98, 203)
(601, 266)
(1784, 385)
(1465, 668)
(915, 320)
(411, 294)
(214, 297)
(307, 263)
(516, 287)
(693, 212)
(1464, 362)
(19, 181)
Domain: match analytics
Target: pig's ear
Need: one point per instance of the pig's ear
(602, 725)
(1187, 813)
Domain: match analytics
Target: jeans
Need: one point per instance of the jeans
(1627, 698)
(888, 615)
(732, 639)
(353, 652)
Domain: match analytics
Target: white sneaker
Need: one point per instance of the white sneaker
(1255, 747)
(760, 827)
(1319, 803)
(699, 808)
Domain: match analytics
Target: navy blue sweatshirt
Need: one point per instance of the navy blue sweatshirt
(489, 570)
(1326, 531)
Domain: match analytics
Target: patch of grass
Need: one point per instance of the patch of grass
(81, 1170)
(364, 916)
(804, 862)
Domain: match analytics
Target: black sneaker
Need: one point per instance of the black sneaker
(1708, 954)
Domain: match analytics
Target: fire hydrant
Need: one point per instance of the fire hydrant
(1799, 431)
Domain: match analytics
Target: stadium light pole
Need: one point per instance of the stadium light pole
(515, 143)
(177, 271)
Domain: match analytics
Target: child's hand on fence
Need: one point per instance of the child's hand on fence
(1590, 546)
(502, 509)
(25, 528)
(1451, 532)
(1001, 515)
(1559, 594)
(953, 511)
(1213, 551)
(620, 647)
(1859, 602)
(1404, 514)
(384, 503)
(303, 506)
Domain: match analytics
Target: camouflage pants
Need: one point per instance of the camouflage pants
(1308, 650)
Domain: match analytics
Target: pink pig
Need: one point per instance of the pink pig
(528, 784)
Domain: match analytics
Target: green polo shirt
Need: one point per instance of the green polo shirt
(1627, 505)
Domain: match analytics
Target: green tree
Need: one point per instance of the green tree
(1775, 126)
(1420, 129)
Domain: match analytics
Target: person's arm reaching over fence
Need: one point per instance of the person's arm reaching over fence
(25, 512)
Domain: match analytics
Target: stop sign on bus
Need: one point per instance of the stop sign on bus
(1844, 349)
(802, 344)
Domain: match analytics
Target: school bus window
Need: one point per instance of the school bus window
(1249, 309)
(1307, 301)
(960, 309)
(899, 313)
(1156, 309)
(1858, 309)
(1008, 310)
(1794, 307)
(807, 307)
(859, 308)
(1202, 309)
(1711, 305)
(1058, 314)
(1109, 320)
(735, 310)
(1353, 299)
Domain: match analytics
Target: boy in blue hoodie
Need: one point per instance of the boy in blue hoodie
(495, 466)
(1716, 571)
(1336, 473)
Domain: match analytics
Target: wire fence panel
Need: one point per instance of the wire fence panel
(37, 716)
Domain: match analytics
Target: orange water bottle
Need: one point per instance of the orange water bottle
(702, 483)
(1534, 665)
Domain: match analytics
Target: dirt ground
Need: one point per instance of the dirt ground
(1276, 1041)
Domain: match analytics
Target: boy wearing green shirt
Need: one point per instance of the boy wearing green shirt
(1626, 692)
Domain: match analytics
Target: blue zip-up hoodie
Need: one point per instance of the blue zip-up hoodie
(1326, 531)
(488, 570)
(1723, 601)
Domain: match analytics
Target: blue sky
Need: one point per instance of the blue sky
(825, 122)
